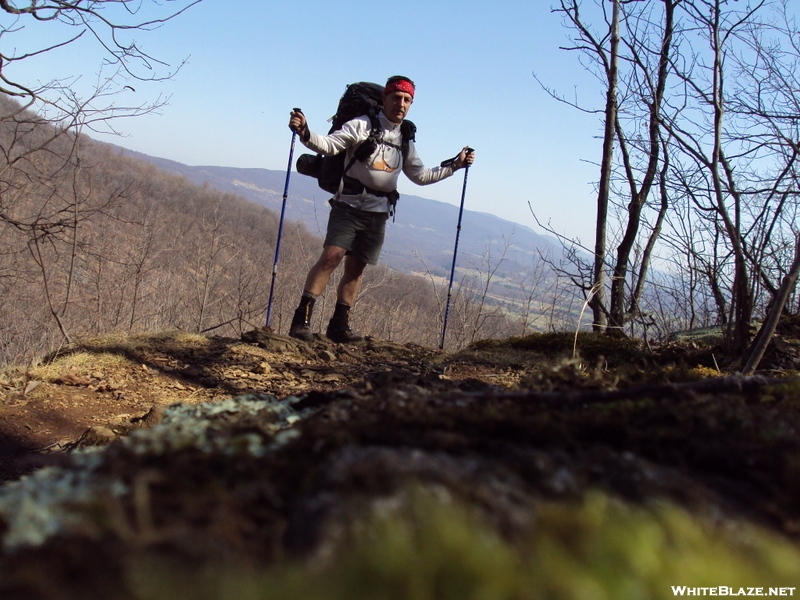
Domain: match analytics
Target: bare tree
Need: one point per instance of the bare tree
(47, 193)
(111, 23)
(608, 59)
(633, 113)
(706, 115)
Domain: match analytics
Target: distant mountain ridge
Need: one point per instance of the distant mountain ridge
(424, 229)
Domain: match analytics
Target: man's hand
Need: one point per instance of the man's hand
(297, 123)
(465, 158)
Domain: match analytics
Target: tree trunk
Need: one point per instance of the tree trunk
(617, 311)
(597, 299)
(771, 322)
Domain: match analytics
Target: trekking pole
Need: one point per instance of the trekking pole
(280, 226)
(455, 251)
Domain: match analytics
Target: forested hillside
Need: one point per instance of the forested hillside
(420, 236)
(501, 267)
(96, 242)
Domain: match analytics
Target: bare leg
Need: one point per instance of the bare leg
(316, 280)
(351, 280)
(318, 277)
(321, 272)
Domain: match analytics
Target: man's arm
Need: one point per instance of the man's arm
(417, 172)
(351, 133)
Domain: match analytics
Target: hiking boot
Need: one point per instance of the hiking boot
(301, 325)
(339, 331)
(301, 331)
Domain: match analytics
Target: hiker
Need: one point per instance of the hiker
(366, 197)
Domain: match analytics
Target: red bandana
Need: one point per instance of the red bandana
(400, 86)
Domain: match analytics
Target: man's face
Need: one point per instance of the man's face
(396, 105)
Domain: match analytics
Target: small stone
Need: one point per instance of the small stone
(96, 436)
(332, 377)
(153, 417)
(262, 368)
(32, 385)
(71, 379)
(327, 355)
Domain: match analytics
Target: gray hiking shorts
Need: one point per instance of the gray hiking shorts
(359, 232)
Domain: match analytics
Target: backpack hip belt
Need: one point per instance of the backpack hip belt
(353, 187)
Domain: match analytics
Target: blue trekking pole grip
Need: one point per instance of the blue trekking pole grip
(455, 252)
(280, 226)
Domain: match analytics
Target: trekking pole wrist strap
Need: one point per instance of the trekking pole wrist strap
(450, 162)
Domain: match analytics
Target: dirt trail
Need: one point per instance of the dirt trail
(323, 430)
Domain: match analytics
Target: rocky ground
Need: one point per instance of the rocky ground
(196, 452)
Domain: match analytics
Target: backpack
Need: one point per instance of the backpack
(359, 99)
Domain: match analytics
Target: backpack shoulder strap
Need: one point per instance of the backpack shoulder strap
(376, 124)
(409, 132)
(364, 150)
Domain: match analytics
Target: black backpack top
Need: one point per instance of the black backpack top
(359, 99)
(362, 98)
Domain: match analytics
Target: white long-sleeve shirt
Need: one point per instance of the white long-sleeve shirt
(382, 170)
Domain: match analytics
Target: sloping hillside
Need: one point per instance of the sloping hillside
(511, 470)
(423, 227)
(93, 242)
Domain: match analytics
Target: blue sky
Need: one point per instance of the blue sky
(250, 61)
